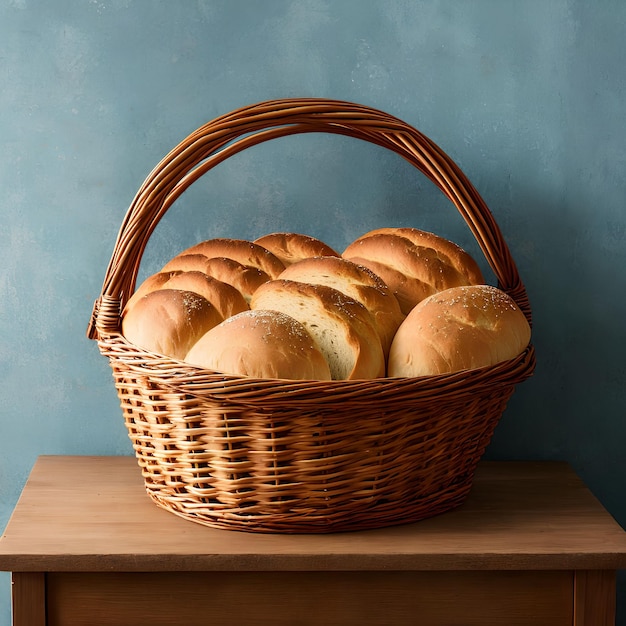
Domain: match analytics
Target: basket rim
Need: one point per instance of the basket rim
(195, 381)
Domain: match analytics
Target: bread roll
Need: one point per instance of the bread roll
(355, 281)
(244, 278)
(417, 271)
(447, 250)
(260, 344)
(244, 252)
(458, 329)
(224, 297)
(403, 287)
(340, 326)
(169, 321)
(152, 283)
(292, 247)
(187, 263)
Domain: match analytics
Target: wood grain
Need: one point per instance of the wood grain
(594, 598)
(531, 545)
(92, 514)
(312, 598)
(28, 598)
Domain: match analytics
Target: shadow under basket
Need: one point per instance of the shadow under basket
(301, 456)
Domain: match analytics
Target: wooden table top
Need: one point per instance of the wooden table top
(80, 513)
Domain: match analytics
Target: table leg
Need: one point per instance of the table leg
(594, 598)
(29, 598)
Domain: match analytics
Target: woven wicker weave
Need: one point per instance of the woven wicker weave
(301, 456)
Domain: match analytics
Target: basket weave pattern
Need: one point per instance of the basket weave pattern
(301, 456)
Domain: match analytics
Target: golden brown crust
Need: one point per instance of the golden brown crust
(187, 263)
(169, 321)
(457, 329)
(293, 247)
(244, 278)
(406, 290)
(418, 271)
(152, 283)
(245, 252)
(448, 250)
(224, 297)
(260, 344)
(355, 281)
(227, 300)
(340, 326)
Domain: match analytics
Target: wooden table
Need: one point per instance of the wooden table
(531, 545)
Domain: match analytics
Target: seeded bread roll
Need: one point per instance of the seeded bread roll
(458, 329)
(169, 321)
(244, 278)
(292, 247)
(244, 252)
(152, 283)
(417, 271)
(260, 344)
(447, 250)
(340, 326)
(355, 281)
(224, 297)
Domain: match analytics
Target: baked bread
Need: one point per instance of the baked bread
(340, 326)
(355, 281)
(260, 344)
(224, 297)
(245, 252)
(246, 279)
(417, 271)
(458, 329)
(152, 283)
(292, 247)
(169, 321)
(447, 250)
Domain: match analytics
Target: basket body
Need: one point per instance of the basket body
(301, 456)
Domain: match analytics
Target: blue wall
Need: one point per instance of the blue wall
(528, 97)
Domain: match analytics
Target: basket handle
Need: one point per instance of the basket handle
(231, 133)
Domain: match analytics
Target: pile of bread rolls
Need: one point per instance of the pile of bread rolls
(397, 302)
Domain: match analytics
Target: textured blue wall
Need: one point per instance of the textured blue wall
(528, 97)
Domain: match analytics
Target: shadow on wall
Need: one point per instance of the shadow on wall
(573, 407)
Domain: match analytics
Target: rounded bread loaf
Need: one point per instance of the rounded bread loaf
(417, 273)
(402, 284)
(151, 283)
(246, 279)
(458, 329)
(447, 250)
(355, 281)
(245, 252)
(169, 321)
(260, 344)
(292, 247)
(340, 326)
(224, 297)
(187, 263)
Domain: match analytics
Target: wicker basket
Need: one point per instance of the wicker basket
(301, 456)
